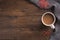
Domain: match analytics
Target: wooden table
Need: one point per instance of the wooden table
(21, 20)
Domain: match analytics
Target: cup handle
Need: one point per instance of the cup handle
(52, 26)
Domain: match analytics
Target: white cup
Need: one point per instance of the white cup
(52, 24)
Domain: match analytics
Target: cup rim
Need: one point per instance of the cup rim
(52, 15)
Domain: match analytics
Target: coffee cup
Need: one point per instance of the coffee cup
(48, 19)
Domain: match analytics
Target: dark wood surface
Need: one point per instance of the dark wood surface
(20, 20)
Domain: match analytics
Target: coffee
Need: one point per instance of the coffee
(48, 19)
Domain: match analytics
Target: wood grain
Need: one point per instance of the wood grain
(20, 20)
